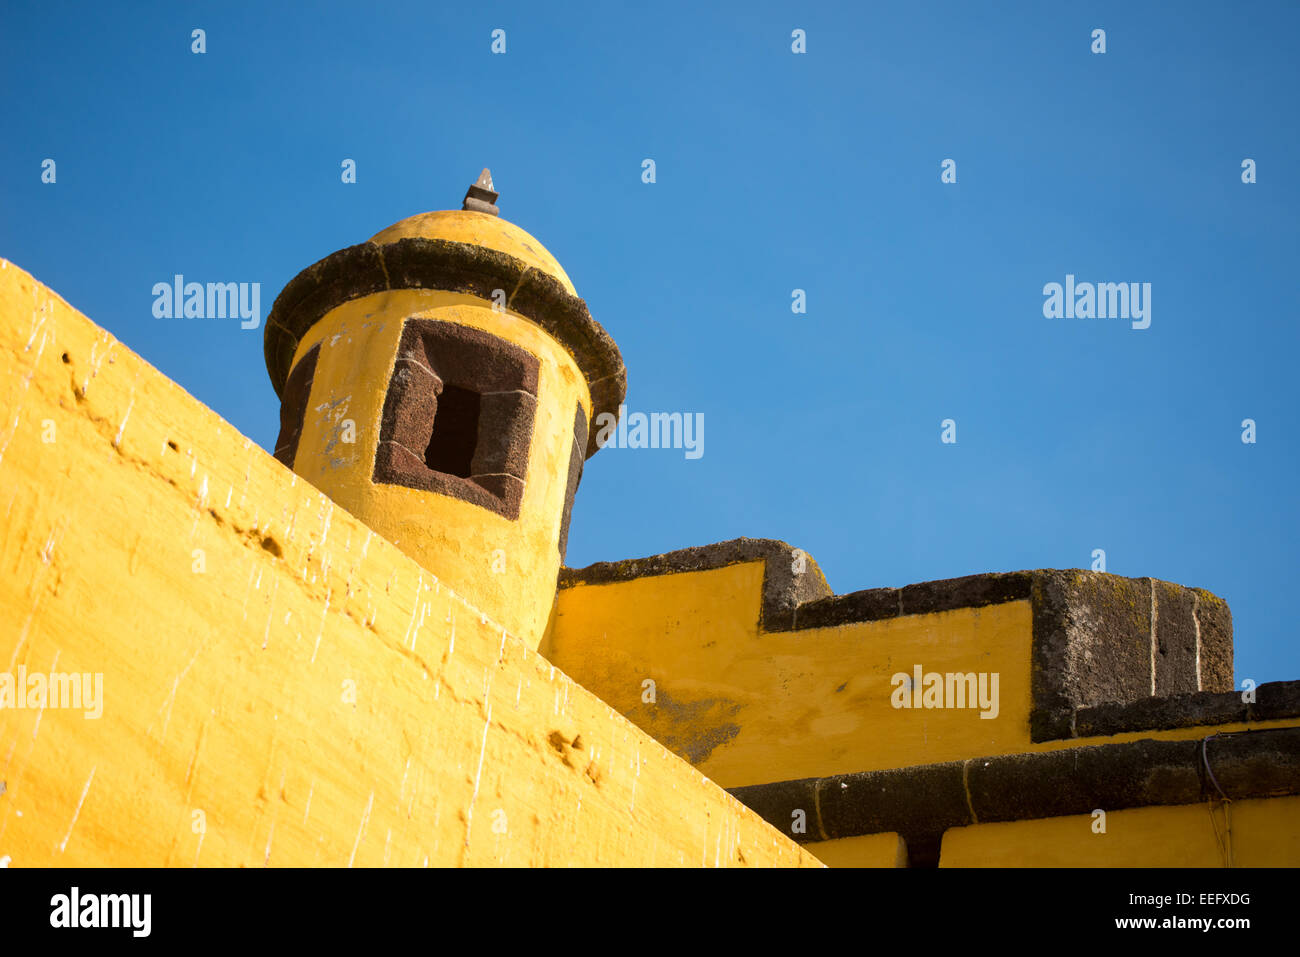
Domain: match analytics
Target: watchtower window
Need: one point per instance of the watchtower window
(455, 432)
(458, 416)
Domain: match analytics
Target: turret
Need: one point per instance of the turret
(440, 381)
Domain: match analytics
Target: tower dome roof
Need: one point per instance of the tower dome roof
(470, 250)
(477, 229)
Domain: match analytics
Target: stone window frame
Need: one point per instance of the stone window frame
(431, 355)
(293, 407)
(576, 460)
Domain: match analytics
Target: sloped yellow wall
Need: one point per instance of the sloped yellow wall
(280, 685)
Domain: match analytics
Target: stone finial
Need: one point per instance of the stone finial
(480, 197)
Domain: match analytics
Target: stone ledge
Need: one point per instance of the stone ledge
(875, 604)
(785, 591)
(921, 802)
(1273, 701)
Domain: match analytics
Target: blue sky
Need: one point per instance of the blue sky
(775, 171)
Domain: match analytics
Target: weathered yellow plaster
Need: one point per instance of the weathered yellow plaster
(1263, 833)
(281, 685)
(870, 850)
(750, 707)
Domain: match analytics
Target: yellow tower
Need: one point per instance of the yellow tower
(439, 382)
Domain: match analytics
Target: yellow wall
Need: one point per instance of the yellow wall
(312, 691)
(508, 567)
(869, 850)
(750, 708)
(1264, 833)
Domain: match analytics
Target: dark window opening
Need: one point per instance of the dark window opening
(455, 432)
(458, 416)
(577, 455)
(293, 407)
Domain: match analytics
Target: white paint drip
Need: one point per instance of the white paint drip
(323, 616)
(365, 818)
(77, 813)
(469, 815)
(41, 713)
(329, 516)
(48, 551)
(415, 608)
(266, 860)
(117, 439)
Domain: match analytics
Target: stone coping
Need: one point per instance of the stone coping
(417, 263)
(921, 802)
(1272, 701)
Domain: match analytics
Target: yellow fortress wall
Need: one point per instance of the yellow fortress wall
(739, 658)
(697, 634)
(280, 685)
(1256, 833)
(715, 677)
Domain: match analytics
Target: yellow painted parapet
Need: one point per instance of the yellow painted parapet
(749, 707)
(756, 680)
(269, 681)
(855, 720)
(1083, 783)
(885, 849)
(1252, 833)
